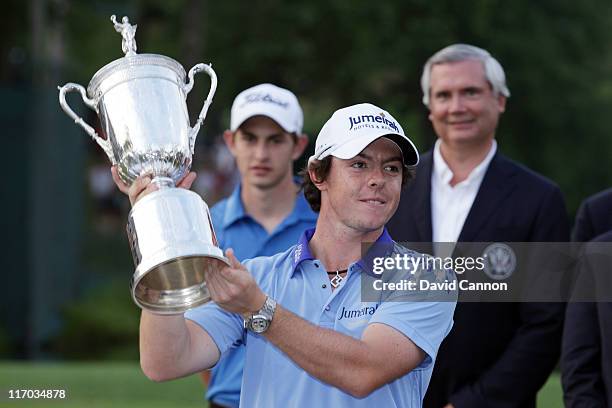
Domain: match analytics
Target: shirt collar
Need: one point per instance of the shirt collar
(444, 174)
(382, 247)
(234, 209)
(302, 251)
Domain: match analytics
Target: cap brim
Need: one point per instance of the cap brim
(409, 151)
(353, 147)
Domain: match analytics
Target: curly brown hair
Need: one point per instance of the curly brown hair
(321, 170)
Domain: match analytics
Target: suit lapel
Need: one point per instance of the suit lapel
(422, 205)
(496, 186)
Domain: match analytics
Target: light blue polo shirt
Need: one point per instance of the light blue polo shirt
(238, 230)
(300, 284)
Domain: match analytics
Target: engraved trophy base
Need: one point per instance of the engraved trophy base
(174, 247)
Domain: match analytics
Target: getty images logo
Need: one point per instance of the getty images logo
(380, 118)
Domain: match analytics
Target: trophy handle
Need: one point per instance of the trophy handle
(70, 87)
(187, 88)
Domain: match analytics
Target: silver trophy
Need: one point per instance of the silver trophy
(140, 100)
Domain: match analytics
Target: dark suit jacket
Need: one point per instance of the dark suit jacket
(594, 217)
(586, 359)
(498, 354)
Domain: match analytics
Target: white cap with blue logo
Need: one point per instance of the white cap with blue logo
(352, 129)
(279, 104)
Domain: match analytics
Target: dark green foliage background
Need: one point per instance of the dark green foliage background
(556, 54)
(333, 53)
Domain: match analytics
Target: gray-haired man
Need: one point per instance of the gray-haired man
(498, 354)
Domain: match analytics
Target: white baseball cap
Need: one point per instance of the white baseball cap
(279, 104)
(352, 129)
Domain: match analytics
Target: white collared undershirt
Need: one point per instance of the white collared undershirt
(450, 205)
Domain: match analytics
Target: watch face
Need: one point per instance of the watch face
(259, 324)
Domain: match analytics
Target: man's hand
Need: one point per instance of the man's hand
(234, 289)
(143, 186)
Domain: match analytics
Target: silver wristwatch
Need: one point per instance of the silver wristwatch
(259, 321)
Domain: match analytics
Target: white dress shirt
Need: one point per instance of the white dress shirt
(450, 205)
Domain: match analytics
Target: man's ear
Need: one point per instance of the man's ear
(228, 138)
(321, 185)
(300, 145)
(501, 103)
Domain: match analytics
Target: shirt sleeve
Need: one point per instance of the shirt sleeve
(426, 324)
(225, 328)
(424, 316)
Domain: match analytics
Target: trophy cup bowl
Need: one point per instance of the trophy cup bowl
(140, 100)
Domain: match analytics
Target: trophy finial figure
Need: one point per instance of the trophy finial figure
(128, 32)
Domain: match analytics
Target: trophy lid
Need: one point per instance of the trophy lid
(132, 65)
